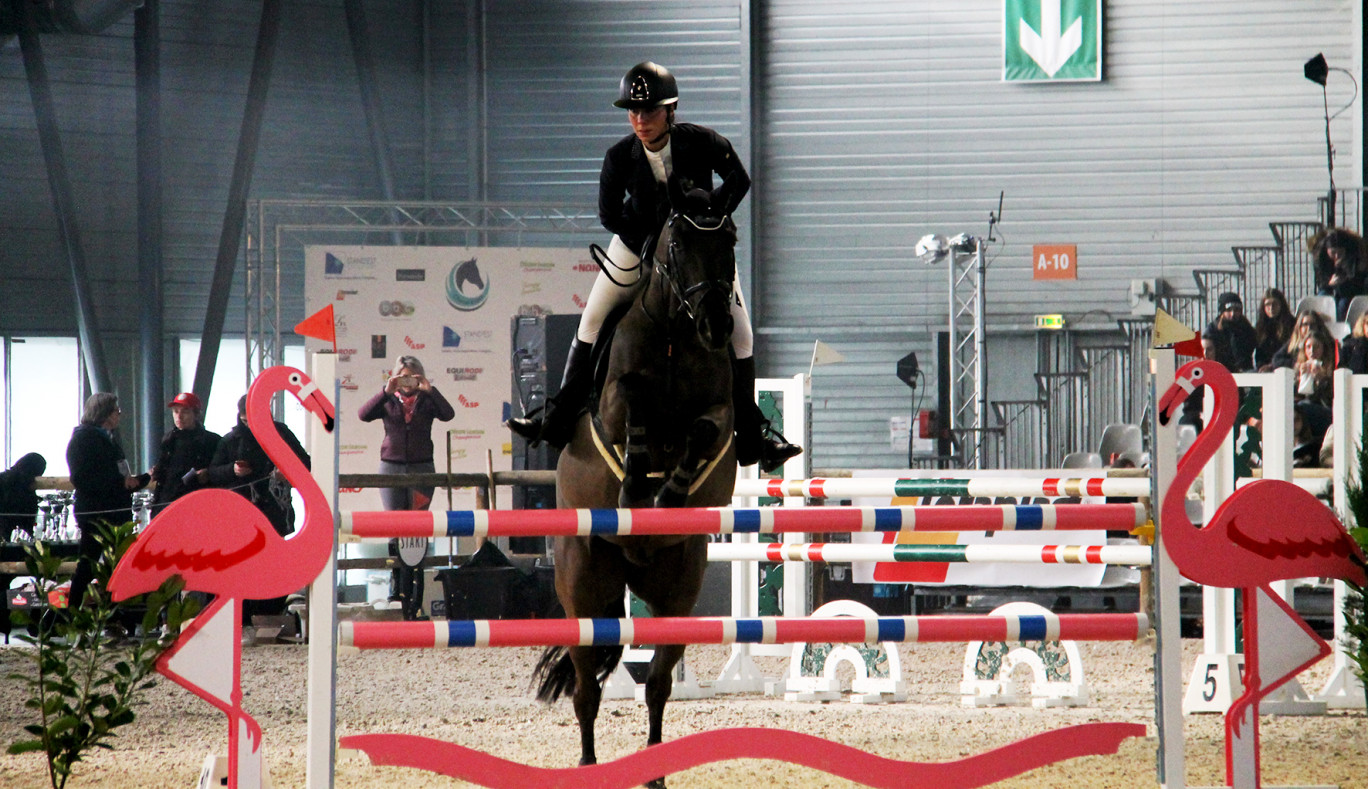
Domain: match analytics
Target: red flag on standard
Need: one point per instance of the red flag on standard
(319, 326)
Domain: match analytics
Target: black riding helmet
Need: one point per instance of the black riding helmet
(647, 86)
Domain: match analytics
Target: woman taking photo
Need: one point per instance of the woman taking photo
(407, 406)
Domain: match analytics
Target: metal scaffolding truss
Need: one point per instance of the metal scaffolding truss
(968, 356)
(277, 232)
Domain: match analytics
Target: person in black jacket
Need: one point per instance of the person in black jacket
(102, 480)
(1272, 330)
(1341, 270)
(18, 501)
(407, 406)
(185, 450)
(1354, 349)
(241, 465)
(633, 206)
(1237, 336)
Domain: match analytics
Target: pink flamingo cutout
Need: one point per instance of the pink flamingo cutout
(219, 543)
(1267, 531)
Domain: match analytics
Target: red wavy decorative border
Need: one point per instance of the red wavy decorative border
(456, 761)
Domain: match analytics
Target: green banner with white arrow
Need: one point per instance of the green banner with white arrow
(1051, 40)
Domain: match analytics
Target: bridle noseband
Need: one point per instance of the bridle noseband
(689, 298)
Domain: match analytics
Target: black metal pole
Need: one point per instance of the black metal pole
(1329, 162)
(147, 57)
(944, 446)
(63, 202)
(230, 238)
(370, 100)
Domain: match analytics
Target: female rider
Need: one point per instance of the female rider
(633, 206)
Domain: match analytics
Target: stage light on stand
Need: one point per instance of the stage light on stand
(1318, 71)
(966, 417)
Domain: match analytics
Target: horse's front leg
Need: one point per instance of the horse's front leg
(636, 463)
(701, 438)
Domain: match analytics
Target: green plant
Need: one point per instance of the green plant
(1355, 643)
(89, 674)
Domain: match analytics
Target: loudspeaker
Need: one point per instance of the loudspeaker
(540, 345)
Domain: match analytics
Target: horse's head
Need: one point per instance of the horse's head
(697, 256)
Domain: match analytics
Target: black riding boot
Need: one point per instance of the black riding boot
(756, 440)
(556, 423)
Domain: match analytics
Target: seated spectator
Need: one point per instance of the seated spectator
(1310, 424)
(1238, 337)
(1272, 330)
(18, 501)
(1314, 372)
(1354, 349)
(1340, 269)
(1308, 321)
(1213, 347)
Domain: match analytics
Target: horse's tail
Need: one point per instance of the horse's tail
(555, 673)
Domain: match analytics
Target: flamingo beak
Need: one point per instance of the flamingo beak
(322, 408)
(1174, 398)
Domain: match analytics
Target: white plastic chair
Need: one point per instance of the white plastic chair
(1325, 305)
(1081, 460)
(1357, 306)
(1119, 438)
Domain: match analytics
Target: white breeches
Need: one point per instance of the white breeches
(605, 296)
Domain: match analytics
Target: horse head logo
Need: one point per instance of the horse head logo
(466, 288)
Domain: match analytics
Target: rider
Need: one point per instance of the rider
(632, 205)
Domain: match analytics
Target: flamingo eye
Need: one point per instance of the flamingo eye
(1197, 373)
(296, 379)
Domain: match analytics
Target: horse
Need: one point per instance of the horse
(661, 436)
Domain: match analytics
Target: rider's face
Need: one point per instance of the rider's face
(649, 124)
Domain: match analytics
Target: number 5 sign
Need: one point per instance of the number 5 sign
(1054, 261)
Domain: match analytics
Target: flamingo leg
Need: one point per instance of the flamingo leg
(196, 663)
(1242, 719)
(1278, 646)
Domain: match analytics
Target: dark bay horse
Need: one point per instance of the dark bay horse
(661, 436)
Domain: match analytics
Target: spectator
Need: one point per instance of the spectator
(103, 482)
(1212, 349)
(186, 449)
(407, 406)
(241, 465)
(1354, 349)
(1238, 339)
(1273, 329)
(1310, 424)
(1314, 368)
(1340, 269)
(1308, 321)
(18, 501)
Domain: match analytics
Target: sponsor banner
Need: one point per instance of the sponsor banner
(452, 308)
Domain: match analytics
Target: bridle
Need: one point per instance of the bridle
(691, 297)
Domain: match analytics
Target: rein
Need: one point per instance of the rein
(669, 268)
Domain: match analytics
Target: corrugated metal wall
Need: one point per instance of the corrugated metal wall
(883, 121)
(874, 124)
(553, 69)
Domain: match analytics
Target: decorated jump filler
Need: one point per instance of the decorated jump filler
(1269, 530)
(220, 543)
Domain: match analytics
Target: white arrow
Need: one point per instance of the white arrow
(1051, 50)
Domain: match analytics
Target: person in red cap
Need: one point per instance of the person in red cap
(186, 449)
